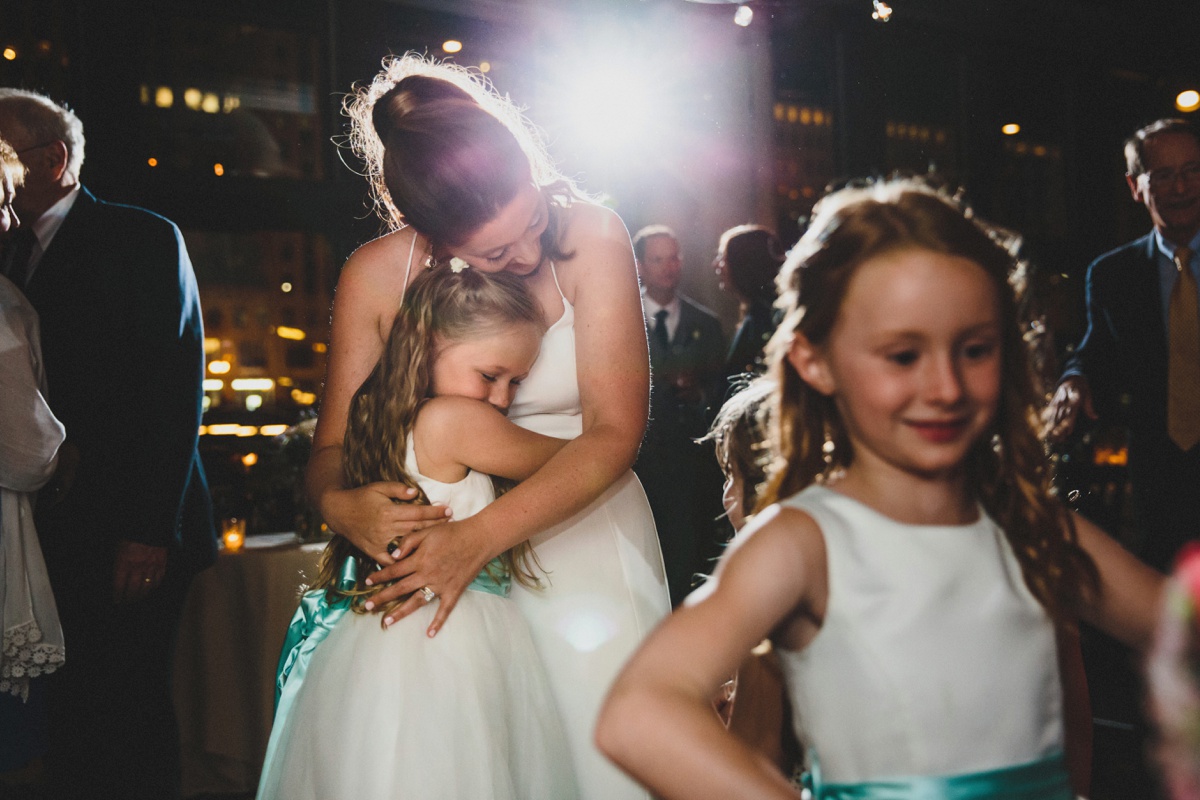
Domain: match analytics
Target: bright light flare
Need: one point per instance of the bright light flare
(882, 12)
(452, 46)
(1011, 129)
(1188, 100)
(608, 106)
(743, 16)
(10, 54)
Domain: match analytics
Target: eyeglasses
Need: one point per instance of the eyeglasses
(38, 146)
(1161, 178)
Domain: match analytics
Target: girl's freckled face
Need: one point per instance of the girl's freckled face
(914, 359)
(488, 367)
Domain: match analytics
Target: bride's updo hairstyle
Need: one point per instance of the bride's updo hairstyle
(444, 153)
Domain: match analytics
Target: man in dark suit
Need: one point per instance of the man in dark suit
(127, 521)
(1139, 362)
(687, 354)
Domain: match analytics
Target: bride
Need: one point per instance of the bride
(449, 188)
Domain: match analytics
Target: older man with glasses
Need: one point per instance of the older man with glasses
(1139, 362)
(126, 522)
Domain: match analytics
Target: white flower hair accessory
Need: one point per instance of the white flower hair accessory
(457, 265)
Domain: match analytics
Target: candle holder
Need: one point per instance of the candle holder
(233, 533)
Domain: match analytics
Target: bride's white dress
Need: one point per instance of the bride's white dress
(605, 583)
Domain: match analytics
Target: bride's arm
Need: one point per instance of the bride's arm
(614, 385)
(368, 294)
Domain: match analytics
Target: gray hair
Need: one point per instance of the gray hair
(1135, 145)
(45, 121)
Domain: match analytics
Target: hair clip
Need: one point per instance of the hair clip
(457, 265)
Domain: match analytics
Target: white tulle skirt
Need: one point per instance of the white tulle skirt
(389, 714)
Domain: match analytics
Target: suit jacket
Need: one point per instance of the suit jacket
(1124, 356)
(123, 344)
(697, 352)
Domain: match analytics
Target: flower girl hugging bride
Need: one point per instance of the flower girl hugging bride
(383, 711)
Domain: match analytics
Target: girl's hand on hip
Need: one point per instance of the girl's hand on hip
(443, 559)
(371, 516)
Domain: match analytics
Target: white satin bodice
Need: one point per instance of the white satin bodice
(548, 400)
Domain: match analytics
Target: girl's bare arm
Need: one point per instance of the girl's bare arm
(657, 723)
(459, 431)
(1130, 596)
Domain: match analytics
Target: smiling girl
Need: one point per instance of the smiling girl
(910, 561)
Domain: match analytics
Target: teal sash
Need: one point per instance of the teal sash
(311, 623)
(1044, 779)
(494, 579)
(316, 616)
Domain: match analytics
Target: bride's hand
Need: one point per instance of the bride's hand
(371, 516)
(445, 559)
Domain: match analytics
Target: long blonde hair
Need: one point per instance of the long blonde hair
(1010, 473)
(439, 305)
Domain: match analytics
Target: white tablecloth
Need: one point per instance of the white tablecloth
(229, 639)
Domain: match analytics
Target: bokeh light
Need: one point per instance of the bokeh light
(1188, 100)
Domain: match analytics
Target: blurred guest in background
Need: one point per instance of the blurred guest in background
(687, 352)
(127, 521)
(1139, 361)
(30, 437)
(1173, 678)
(748, 259)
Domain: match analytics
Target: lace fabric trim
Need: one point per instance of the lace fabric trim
(26, 656)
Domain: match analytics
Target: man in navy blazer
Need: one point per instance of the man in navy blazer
(127, 521)
(687, 359)
(1119, 371)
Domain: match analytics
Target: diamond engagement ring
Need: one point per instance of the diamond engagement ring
(429, 594)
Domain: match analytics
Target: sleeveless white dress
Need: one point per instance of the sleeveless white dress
(391, 714)
(934, 658)
(605, 586)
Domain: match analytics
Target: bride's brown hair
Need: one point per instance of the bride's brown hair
(1008, 472)
(444, 152)
(439, 305)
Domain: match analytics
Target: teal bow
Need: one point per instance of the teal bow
(311, 623)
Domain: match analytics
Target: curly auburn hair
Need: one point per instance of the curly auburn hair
(440, 305)
(1009, 473)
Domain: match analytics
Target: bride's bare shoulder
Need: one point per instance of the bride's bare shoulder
(588, 222)
(382, 263)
